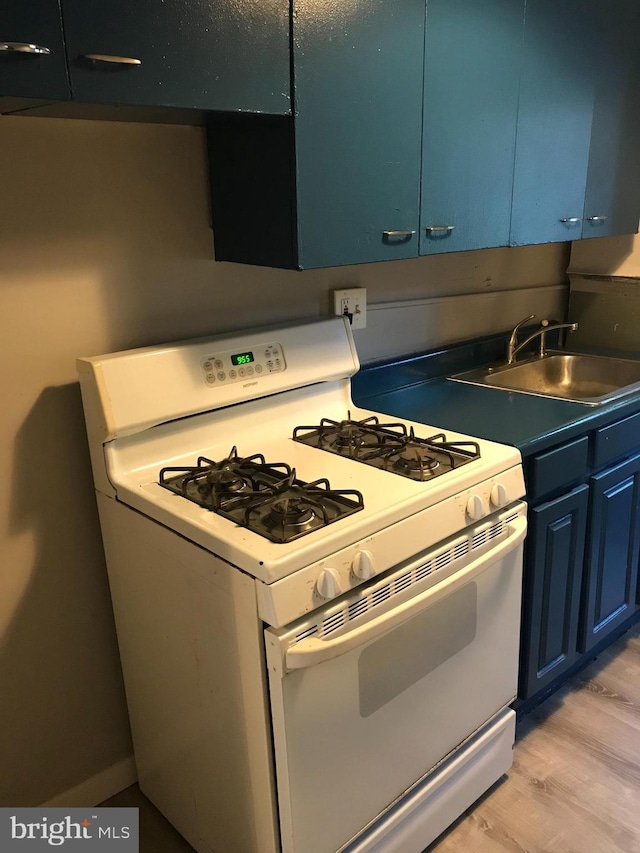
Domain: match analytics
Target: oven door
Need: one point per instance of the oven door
(371, 692)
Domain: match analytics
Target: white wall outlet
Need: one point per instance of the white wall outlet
(352, 303)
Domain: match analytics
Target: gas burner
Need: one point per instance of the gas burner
(265, 498)
(348, 438)
(418, 459)
(390, 447)
(291, 511)
(213, 484)
(292, 517)
(226, 480)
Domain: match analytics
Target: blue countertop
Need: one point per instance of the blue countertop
(411, 389)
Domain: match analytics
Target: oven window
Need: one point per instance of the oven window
(393, 663)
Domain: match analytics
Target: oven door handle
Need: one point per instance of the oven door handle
(312, 650)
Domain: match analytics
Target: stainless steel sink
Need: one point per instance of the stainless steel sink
(589, 379)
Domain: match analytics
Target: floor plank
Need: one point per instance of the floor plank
(574, 786)
(575, 782)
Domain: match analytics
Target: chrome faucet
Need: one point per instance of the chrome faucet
(545, 326)
(513, 340)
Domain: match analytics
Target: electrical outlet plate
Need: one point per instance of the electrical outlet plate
(352, 303)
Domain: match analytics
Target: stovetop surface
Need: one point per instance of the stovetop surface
(266, 426)
(269, 499)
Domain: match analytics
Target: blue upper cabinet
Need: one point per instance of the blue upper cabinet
(339, 181)
(358, 102)
(354, 131)
(472, 64)
(218, 55)
(612, 199)
(32, 59)
(435, 126)
(554, 121)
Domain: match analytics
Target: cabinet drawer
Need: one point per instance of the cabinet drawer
(616, 440)
(558, 467)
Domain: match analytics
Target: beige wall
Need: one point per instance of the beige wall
(104, 244)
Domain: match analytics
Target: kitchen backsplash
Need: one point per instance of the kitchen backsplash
(396, 329)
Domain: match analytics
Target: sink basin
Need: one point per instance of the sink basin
(589, 379)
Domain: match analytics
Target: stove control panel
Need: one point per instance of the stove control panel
(366, 560)
(223, 368)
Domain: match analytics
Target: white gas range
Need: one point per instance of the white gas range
(317, 609)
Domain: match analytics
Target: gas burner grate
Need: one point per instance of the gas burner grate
(266, 498)
(213, 485)
(390, 447)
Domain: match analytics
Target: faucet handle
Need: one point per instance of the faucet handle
(523, 322)
(513, 339)
(544, 325)
(518, 326)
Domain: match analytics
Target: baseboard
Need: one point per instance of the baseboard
(98, 788)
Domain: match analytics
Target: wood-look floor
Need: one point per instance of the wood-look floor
(574, 786)
(575, 782)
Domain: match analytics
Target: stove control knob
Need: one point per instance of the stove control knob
(498, 495)
(328, 583)
(475, 510)
(363, 566)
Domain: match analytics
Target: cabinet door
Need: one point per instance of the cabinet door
(472, 61)
(612, 201)
(358, 100)
(612, 563)
(551, 598)
(219, 55)
(554, 121)
(32, 60)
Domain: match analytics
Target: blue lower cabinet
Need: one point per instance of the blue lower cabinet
(472, 62)
(609, 595)
(553, 578)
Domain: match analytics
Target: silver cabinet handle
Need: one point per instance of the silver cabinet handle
(439, 227)
(406, 232)
(572, 220)
(23, 47)
(596, 218)
(114, 60)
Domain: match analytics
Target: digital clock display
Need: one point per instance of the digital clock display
(242, 358)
